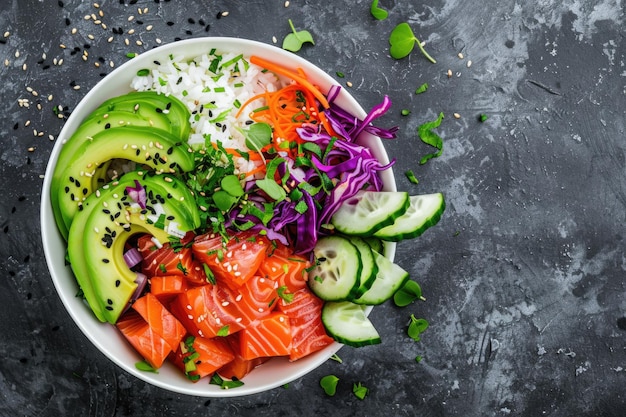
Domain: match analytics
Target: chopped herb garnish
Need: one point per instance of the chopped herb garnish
(411, 176)
(210, 277)
(143, 72)
(359, 390)
(405, 112)
(483, 118)
(402, 41)
(340, 74)
(329, 384)
(293, 42)
(224, 383)
(287, 297)
(336, 358)
(146, 367)
(181, 268)
(131, 55)
(223, 331)
(431, 138)
(422, 88)
(377, 12)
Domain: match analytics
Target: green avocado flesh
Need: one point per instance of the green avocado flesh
(154, 148)
(137, 111)
(108, 219)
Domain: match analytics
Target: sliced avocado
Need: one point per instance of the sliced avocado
(99, 232)
(147, 109)
(150, 101)
(155, 148)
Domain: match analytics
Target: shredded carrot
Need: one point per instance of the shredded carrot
(300, 79)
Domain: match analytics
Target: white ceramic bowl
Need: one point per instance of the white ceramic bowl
(105, 337)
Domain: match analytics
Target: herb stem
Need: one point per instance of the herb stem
(419, 45)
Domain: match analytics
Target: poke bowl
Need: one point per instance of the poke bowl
(129, 77)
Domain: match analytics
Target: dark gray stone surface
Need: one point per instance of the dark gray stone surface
(524, 275)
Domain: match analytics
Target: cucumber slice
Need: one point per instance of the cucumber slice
(390, 279)
(369, 269)
(375, 243)
(336, 275)
(369, 211)
(424, 211)
(347, 323)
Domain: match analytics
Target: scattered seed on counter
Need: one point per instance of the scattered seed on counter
(456, 115)
(460, 55)
(449, 73)
(469, 63)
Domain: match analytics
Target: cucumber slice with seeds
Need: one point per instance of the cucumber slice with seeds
(336, 275)
(390, 279)
(369, 211)
(347, 323)
(424, 211)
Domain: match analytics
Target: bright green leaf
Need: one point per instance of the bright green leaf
(223, 200)
(402, 41)
(377, 12)
(422, 88)
(359, 390)
(293, 41)
(410, 292)
(416, 328)
(411, 176)
(258, 136)
(231, 184)
(146, 367)
(329, 384)
(272, 189)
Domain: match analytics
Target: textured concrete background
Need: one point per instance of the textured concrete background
(524, 275)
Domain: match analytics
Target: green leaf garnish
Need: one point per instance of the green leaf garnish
(223, 383)
(329, 384)
(336, 358)
(483, 118)
(402, 41)
(405, 112)
(258, 136)
(293, 42)
(410, 292)
(422, 88)
(377, 12)
(287, 297)
(231, 184)
(416, 328)
(143, 72)
(146, 367)
(411, 176)
(223, 331)
(359, 390)
(431, 138)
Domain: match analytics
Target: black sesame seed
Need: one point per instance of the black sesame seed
(109, 308)
(118, 282)
(60, 3)
(191, 20)
(85, 191)
(105, 260)
(107, 126)
(170, 23)
(207, 28)
(67, 21)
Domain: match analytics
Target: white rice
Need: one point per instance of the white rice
(212, 97)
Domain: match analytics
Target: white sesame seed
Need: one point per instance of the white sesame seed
(149, 27)
(24, 67)
(469, 63)
(126, 42)
(224, 14)
(287, 3)
(460, 55)
(131, 31)
(131, 18)
(238, 298)
(7, 34)
(274, 40)
(457, 115)
(17, 54)
(27, 123)
(449, 73)
(138, 43)
(90, 36)
(349, 84)
(74, 30)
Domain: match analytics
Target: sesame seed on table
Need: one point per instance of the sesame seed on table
(523, 277)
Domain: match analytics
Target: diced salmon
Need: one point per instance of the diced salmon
(165, 288)
(165, 260)
(152, 347)
(307, 329)
(198, 357)
(286, 268)
(160, 320)
(238, 367)
(269, 336)
(235, 262)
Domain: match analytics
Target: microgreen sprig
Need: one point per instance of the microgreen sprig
(293, 42)
(402, 41)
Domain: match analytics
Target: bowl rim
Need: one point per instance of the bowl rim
(118, 82)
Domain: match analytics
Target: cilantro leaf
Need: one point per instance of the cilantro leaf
(293, 41)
